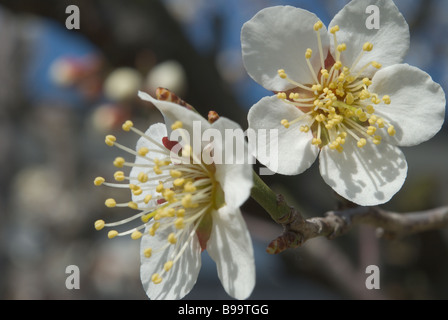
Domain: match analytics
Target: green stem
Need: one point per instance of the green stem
(269, 200)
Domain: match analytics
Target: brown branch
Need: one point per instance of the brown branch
(298, 230)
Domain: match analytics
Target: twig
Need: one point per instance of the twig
(297, 230)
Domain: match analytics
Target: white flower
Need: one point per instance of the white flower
(184, 208)
(342, 95)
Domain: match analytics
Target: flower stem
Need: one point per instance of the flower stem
(269, 200)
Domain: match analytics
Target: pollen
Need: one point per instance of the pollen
(172, 238)
(119, 162)
(156, 279)
(318, 25)
(168, 265)
(136, 235)
(112, 234)
(143, 151)
(110, 203)
(147, 252)
(127, 125)
(99, 224)
(176, 125)
(110, 140)
(99, 181)
(119, 175)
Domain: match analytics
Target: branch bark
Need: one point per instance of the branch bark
(298, 230)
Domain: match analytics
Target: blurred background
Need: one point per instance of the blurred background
(62, 90)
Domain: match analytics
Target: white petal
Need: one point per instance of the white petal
(417, 108)
(367, 176)
(181, 278)
(173, 112)
(277, 38)
(234, 173)
(156, 132)
(230, 246)
(285, 151)
(390, 41)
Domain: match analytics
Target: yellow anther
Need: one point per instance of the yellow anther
(391, 131)
(189, 187)
(180, 212)
(373, 118)
(156, 278)
(334, 29)
(371, 130)
(159, 187)
(127, 125)
(119, 176)
(386, 99)
(308, 53)
(340, 148)
(361, 143)
(362, 117)
(136, 235)
(143, 151)
(168, 265)
(187, 202)
(147, 252)
(294, 96)
(320, 117)
(98, 181)
(154, 227)
(285, 123)
(281, 95)
(366, 81)
(137, 191)
(112, 234)
(282, 74)
(186, 151)
(380, 122)
(169, 194)
(110, 203)
(110, 140)
(179, 182)
(342, 47)
(147, 198)
(142, 177)
(316, 141)
(370, 109)
(157, 170)
(172, 238)
(177, 125)
(318, 25)
(376, 64)
(337, 65)
(367, 46)
(119, 162)
(99, 224)
(304, 128)
(179, 223)
(145, 218)
(377, 140)
(175, 173)
(133, 205)
(349, 99)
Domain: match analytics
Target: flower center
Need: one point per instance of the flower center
(173, 199)
(338, 105)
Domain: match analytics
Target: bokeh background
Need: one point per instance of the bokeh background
(62, 90)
